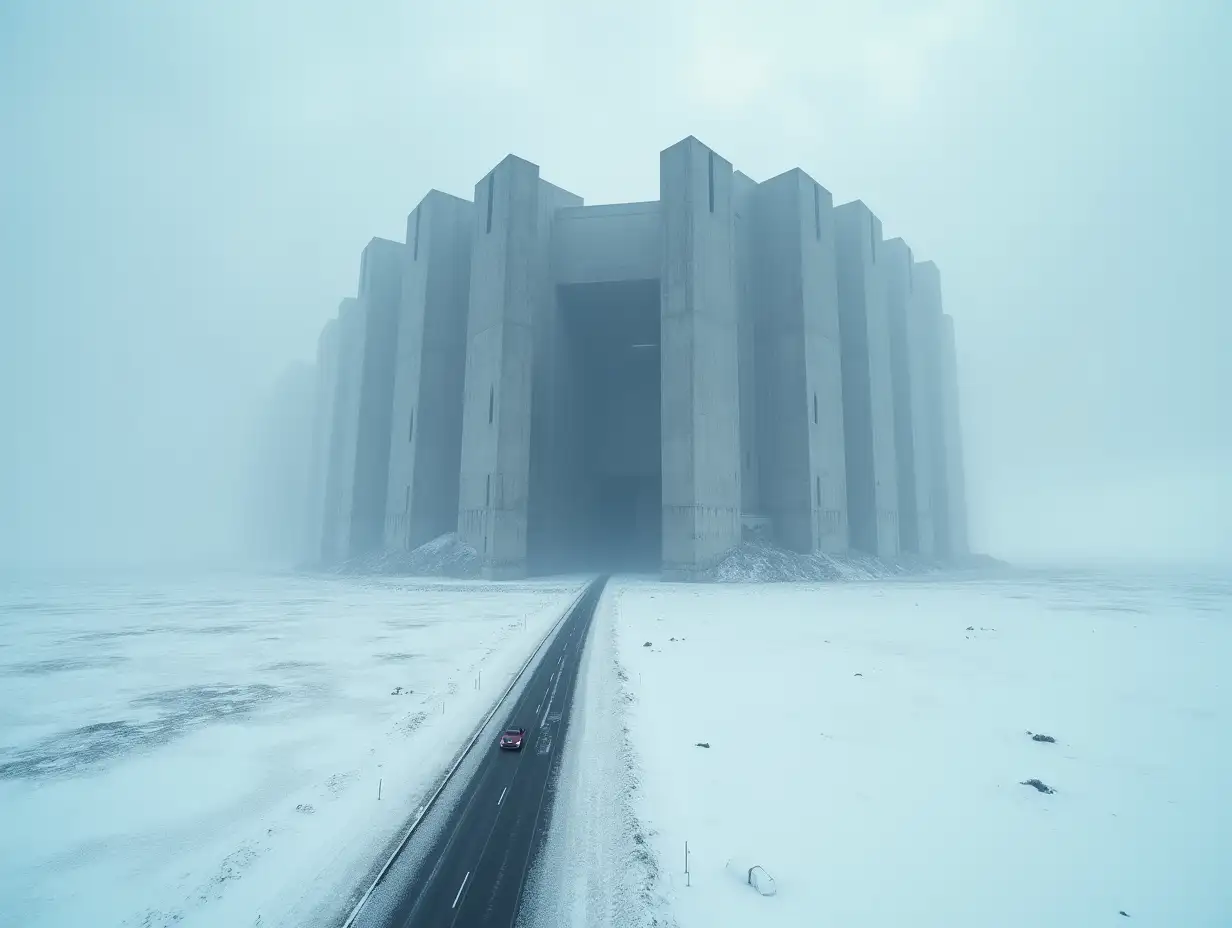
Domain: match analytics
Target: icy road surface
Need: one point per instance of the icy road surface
(209, 751)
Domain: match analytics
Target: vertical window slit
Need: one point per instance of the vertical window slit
(491, 403)
(711, 181)
(410, 432)
(814, 409)
(491, 181)
(487, 493)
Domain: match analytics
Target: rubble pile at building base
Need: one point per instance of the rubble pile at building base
(446, 556)
(755, 560)
(758, 561)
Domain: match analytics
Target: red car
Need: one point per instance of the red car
(512, 739)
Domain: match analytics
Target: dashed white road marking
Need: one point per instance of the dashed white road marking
(460, 888)
(502, 795)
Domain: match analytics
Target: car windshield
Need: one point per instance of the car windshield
(512, 733)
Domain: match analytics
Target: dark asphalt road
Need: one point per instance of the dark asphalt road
(475, 872)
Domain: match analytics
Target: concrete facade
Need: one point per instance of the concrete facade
(868, 392)
(639, 385)
(799, 362)
(699, 354)
(911, 406)
(927, 322)
(426, 414)
(380, 293)
(956, 478)
(340, 469)
(744, 217)
(326, 388)
(512, 300)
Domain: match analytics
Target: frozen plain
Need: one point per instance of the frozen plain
(867, 747)
(207, 750)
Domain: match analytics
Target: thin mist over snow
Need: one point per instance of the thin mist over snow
(276, 510)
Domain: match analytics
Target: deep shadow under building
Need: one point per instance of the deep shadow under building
(639, 386)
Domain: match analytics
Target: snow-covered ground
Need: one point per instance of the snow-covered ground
(208, 751)
(867, 745)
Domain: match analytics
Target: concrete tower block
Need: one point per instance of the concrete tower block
(744, 202)
(699, 358)
(927, 325)
(558, 417)
(868, 397)
(426, 429)
(799, 364)
(322, 434)
(911, 416)
(340, 475)
(380, 292)
(956, 476)
(508, 258)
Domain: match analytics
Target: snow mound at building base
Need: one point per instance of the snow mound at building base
(445, 556)
(758, 561)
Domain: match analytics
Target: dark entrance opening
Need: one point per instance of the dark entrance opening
(607, 486)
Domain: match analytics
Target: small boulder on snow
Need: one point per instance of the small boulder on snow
(703, 744)
(1039, 785)
(751, 875)
(646, 645)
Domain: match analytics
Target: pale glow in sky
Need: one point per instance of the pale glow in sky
(185, 190)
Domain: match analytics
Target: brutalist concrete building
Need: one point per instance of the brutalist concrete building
(639, 386)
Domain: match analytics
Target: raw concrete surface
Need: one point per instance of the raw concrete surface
(700, 355)
(426, 423)
(868, 401)
(380, 292)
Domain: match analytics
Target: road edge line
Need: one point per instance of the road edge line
(427, 806)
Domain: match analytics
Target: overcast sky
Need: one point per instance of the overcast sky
(185, 189)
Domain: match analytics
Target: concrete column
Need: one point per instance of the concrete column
(868, 398)
(508, 289)
(956, 478)
(426, 423)
(322, 434)
(927, 326)
(380, 292)
(557, 414)
(744, 201)
(804, 483)
(340, 475)
(911, 408)
(700, 397)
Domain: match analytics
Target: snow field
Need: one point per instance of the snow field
(867, 744)
(209, 752)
